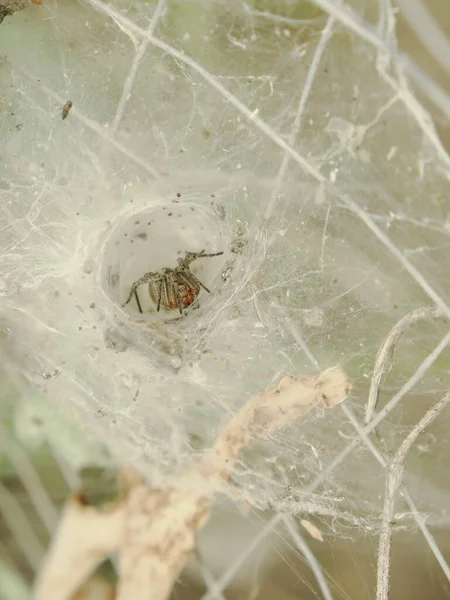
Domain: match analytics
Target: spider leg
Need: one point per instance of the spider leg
(177, 292)
(130, 295)
(135, 286)
(194, 278)
(191, 256)
(159, 294)
(137, 301)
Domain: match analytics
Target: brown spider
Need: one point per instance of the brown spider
(172, 288)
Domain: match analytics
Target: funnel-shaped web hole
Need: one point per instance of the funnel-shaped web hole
(161, 260)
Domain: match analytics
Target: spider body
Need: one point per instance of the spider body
(172, 288)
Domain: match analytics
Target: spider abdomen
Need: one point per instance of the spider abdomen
(188, 296)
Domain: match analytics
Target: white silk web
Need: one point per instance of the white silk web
(286, 136)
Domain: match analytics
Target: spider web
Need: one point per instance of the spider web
(285, 135)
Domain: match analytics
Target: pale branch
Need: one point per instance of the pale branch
(384, 357)
(393, 482)
(154, 529)
(85, 537)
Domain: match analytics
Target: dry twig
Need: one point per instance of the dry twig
(393, 483)
(85, 538)
(154, 529)
(384, 356)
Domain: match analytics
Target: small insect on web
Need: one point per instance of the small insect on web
(172, 288)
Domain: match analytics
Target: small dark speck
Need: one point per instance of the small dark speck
(125, 235)
(94, 326)
(178, 195)
(213, 195)
(80, 328)
(164, 208)
(142, 235)
(66, 108)
(179, 215)
(131, 241)
(92, 305)
(117, 243)
(77, 214)
(136, 222)
(169, 214)
(149, 223)
(51, 374)
(192, 208)
(83, 499)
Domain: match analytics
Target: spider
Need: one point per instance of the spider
(172, 288)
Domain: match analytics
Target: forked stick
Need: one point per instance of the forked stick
(154, 529)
